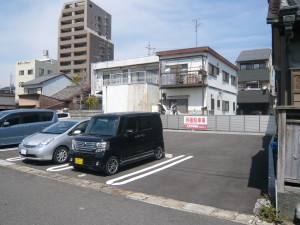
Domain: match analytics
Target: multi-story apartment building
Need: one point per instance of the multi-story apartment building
(198, 80)
(84, 37)
(256, 82)
(31, 69)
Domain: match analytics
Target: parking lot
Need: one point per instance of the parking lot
(226, 171)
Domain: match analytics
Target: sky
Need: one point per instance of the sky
(228, 26)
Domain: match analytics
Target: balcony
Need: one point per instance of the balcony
(250, 75)
(138, 77)
(254, 96)
(183, 80)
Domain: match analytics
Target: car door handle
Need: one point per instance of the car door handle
(137, 136)
(143, 135)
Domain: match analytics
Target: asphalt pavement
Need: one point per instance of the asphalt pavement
(222, 171)
(29, 199)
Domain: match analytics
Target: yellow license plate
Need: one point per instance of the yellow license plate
(79, 161)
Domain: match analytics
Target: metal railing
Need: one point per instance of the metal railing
(138, 77)
(187, 78)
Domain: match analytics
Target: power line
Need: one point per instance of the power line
(196, 29)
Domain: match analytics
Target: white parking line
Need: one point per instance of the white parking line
(148, 173)
(143, 170)
(59, 168)
(8, 149)
(14, 159)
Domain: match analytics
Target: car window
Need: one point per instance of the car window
(59, 127)
(156, 122)
(103, 126)
(13, 119)
(81, 126)
(47, 116)
(31, 117)
(62, 115)
(145, 122)
(131, 123)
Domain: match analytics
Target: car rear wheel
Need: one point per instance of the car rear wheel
(158, 153)
(61, 155)
(112, 165)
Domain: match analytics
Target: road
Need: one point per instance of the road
(217, 170)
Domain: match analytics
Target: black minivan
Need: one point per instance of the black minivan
(117, 139)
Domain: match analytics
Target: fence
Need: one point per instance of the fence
(235, 123)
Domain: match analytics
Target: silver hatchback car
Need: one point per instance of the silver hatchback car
(53, 142)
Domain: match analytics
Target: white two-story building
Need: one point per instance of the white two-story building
(198, 81)
(127, 85)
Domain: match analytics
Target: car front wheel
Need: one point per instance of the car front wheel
(112, 165)
(61, 155)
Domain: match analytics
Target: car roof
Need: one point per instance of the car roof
(127, 114)
(75, 119)
(27, 110)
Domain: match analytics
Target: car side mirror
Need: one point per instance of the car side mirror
(5, 124)
(128, 132)
(77, 132)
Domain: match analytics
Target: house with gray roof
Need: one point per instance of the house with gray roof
(46, 86)
(256, 82)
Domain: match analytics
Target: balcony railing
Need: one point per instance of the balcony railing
(251, 87)
(138, 77)
(183, 79)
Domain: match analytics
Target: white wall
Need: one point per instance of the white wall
(194, 96)
(128, 98)
(34, 65)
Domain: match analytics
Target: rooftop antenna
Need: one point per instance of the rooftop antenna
(149, 49)
(196, 29)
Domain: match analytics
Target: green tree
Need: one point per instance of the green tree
(91, 102)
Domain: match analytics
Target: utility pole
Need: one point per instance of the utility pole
(149, 49)
(196, 29)
(11, 84)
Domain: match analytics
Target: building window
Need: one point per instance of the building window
(41, 71)
(212, 104)
(260, 65)
(183, 66)
(219, 104)
(225, 76)
(225, 105)
(21, 84)
(213, 70)
(32, 90)
(21, 72)
(251, 66)
(50, 71)
(233, 80)
(246, 66)
(233, 106)
(30, 72)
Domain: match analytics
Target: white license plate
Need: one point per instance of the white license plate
(23, 151)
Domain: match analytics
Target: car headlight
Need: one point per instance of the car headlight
(73, 144)
(101, 146)
(45, 142)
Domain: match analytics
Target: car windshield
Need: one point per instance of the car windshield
(59, 127)
(103, 126)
